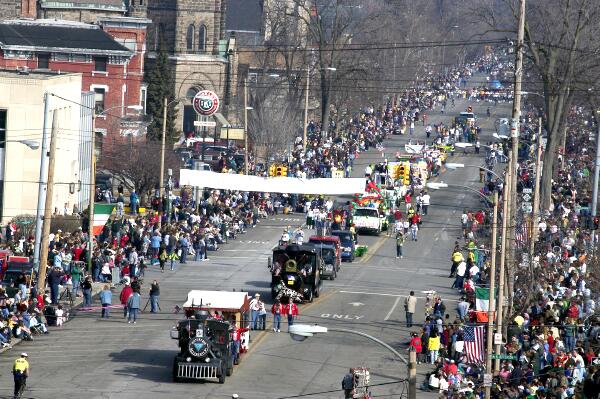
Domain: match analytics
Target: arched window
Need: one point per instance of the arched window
(189, 38)
(202, 38)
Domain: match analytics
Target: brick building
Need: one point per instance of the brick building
(110, 57)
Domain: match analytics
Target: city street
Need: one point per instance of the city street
(99, 358)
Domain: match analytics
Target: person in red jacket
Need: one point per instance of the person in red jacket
(416, 343)
(126, 292)
(291, 310)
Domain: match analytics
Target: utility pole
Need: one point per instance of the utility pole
(412, 373)
(596, 167)
(41, 187)
(491, 307)
(505, 217)
(304, 136)
(162, 160)
(47, 208)
(515, 131)
(246, 125)
(90, 245)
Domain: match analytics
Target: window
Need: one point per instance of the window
(99, 100)
(189, 38)
(43, 60)
(100, 64)
(202, 38)
(143, 94)
(3, 128)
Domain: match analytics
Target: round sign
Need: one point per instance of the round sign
(198, 347)
(205, 102)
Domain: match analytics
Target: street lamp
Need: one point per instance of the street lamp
(300, 332)
(453, 166)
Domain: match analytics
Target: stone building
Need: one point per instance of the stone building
(193, 33)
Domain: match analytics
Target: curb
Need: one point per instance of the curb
(96, 288)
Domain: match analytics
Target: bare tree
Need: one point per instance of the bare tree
(562, 54)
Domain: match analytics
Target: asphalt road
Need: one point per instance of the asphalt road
(112, 359)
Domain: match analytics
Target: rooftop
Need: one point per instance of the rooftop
(39, 75)
(56, 34)
(92, 4)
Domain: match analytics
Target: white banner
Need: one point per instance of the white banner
(285, 185)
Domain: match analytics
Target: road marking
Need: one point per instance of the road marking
(341, 316)
(392, 309)
(394, 295)
(373, 249)
(356, 304)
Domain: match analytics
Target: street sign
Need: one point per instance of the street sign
(527, 207)
(527, 191)
(526, 197)
(503, 356)
(205, 102)
(487, 380)
(497, 338)
(205, 123)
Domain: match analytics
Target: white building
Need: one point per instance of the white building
(22, 118)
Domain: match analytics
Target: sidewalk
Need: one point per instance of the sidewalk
(96, 288)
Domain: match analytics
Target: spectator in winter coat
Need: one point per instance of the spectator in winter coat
(106, 300)
(133, 307)
(126, 292)
(416, 343)
(291, 310)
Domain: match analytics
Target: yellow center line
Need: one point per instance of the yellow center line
(378, 244)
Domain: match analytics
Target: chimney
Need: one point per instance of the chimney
(29, 9)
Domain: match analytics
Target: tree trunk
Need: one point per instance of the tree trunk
(324, 104)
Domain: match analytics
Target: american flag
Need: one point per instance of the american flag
(473, 337)
(522, 235)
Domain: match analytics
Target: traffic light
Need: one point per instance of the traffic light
(406, 174)
(272, 170)
(396, 172)
(281, 171)
(596, 222)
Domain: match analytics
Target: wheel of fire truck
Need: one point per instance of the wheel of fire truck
(318, 289)
(310, 297)
(229, 367)
(222, 376)
(334, 276)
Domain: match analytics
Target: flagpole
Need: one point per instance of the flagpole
(492, 304)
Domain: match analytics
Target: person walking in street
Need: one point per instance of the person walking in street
(86, 286)
(462, 308)
(425, 200)
(348, 385)
(134, 202)
(184, 245)
(126, 292)
(154, 295)
(54, 280)
(254, 308)
(20, 374)
(399, 244)
(106, 300)
(410, 306)
(414, 230)
(291, 310)
(134, 260)
(133, 307)
(277, 310)
(416, 343)
(76, 274)
(162, 258)
(433, 345)
(262, 316)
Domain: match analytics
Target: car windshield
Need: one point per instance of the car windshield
(328, 255)
(366, 212)
(342, 235)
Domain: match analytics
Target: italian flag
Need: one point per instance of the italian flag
(102, 213)
(482, 303)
